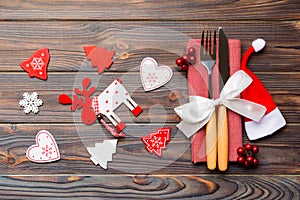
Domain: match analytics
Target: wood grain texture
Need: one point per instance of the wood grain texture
(147, 10)
(73, 140)
(66, 26)
(18, 83)
(150, 187)
(65, 41)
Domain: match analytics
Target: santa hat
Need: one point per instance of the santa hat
(256, 92)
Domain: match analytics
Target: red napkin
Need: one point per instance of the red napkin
(198, 85)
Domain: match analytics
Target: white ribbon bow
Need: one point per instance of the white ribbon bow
(198, 111)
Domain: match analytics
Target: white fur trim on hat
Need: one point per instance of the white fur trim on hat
(267, 126)
(258, 44)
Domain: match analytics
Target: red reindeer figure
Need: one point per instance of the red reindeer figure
(88, 115)
(110, 99)
(102, 105)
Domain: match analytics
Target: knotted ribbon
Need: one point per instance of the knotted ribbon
(198, 111)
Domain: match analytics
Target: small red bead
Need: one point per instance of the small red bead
(184, 67)
(192, 59)
(255, 162)
(255, 149)
(248, 147)
(247, 164)
(185, 59)
(179, 61)
(191, 51)
(241, 151)
(249, 159)
(240, 160)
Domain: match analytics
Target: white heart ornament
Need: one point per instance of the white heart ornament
(45, 150)
(152, 75)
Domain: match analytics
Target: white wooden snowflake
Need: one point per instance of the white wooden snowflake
(30, 102)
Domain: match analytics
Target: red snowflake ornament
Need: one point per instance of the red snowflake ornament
(37, 64)
(157, 141)
(100, 57)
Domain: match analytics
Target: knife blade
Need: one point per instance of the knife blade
(224, 70)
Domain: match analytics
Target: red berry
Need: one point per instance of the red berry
(248, 147)
(184, 67)
(255, 162)
(192, 59)
(247, 164)
(255, 149)
(240, 160)
(240, 151)
(185, 59)
(249, 159)
(191, 51)
(179, 61)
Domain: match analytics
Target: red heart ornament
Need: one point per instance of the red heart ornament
(37, 64)
(45, 150)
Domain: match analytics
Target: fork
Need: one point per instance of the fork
(208, 59)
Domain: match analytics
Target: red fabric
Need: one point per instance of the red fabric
(198, 85)
(256, 92)
(111, 130)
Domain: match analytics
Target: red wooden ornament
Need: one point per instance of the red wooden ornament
(64, 99)
(82, 100)
(157, 141)
(37, 64)
(100, 57)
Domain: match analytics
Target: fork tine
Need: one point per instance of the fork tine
(206, 43)
(210, 43)
(215, 44)
(202, 39)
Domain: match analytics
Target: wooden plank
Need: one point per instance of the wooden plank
(65, 40)
(146, 187)
(66, 26)
(157, 105)
(278, 153)
(147, 10)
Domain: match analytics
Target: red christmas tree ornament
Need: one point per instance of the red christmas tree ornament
(99, 57)
(37, 64)
(157, 141)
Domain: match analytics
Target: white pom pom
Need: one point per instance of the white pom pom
(258, 44)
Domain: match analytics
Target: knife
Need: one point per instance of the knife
(224, 70)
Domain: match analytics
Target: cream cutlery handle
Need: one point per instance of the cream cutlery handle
(222, 139)
(211, 142)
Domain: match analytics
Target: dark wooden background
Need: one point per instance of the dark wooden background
(66, 26)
